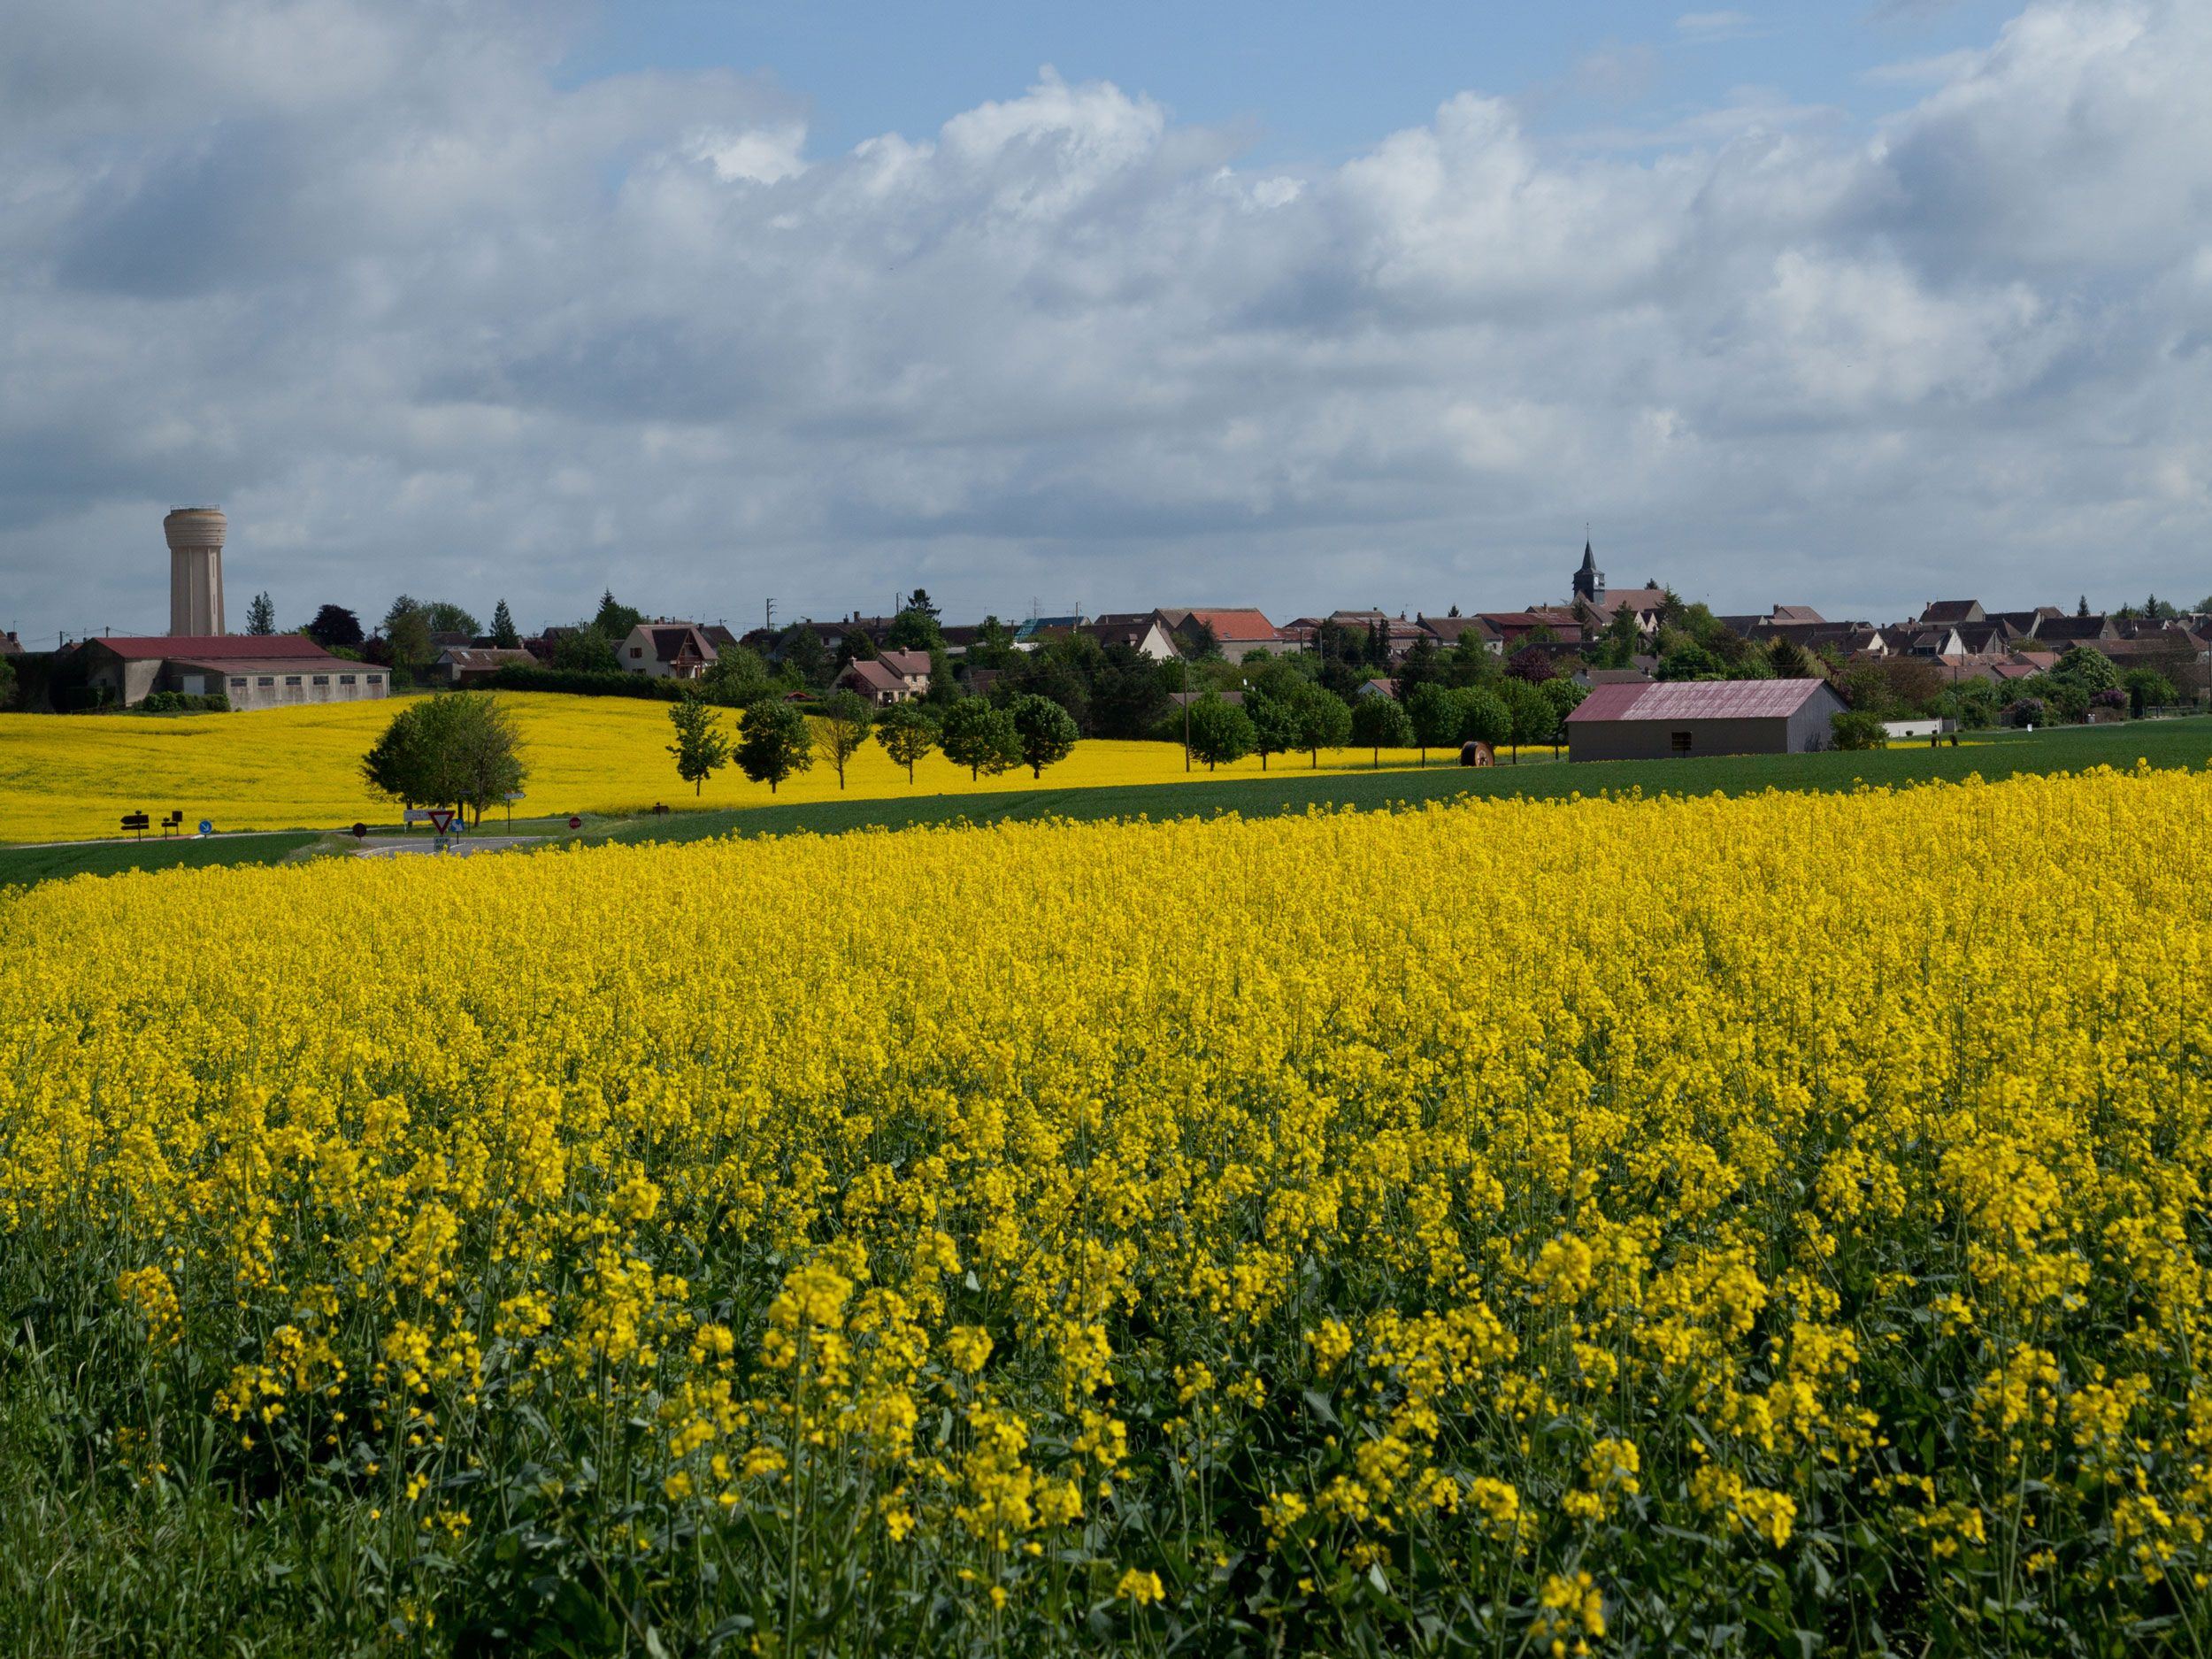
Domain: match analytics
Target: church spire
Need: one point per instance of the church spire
(1589, 582)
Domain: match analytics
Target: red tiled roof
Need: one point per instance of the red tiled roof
(1236, 625)
(214, 647)
(1698, 699)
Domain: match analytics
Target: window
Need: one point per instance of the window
(345, 680)
(637, 650)
(322, 679)
(238, 682)
(291, 680)
(376, 680)
(265, 680)
(1681, 742)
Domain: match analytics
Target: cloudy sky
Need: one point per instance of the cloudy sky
(1278, 303)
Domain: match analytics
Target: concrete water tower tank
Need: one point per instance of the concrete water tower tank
(196, 568)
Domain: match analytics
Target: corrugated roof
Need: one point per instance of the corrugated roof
(1698, 700)
(204, 646)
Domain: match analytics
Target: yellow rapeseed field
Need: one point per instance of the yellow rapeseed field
(72, 778)
(1771, 1224)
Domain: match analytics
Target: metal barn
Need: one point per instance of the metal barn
(1674, 718)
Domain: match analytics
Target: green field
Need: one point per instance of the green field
(2163, 743)
(22, 866)
(1289, 788)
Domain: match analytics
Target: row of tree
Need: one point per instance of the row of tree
(776, 739)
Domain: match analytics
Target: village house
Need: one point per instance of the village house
(892, 677)
(472, 664)
(666, 649)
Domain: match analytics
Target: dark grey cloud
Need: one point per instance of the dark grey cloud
(422, 317)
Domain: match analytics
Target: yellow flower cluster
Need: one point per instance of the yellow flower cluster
(1558, 1222)
(72, 777)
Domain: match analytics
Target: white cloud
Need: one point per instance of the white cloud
(423, 319)
(1700, 28)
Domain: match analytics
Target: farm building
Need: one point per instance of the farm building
(264, 671)
(1702, 717)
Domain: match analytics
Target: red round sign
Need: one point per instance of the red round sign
(576, 823)
(360, 831)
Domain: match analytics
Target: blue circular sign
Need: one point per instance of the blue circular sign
(207, 826)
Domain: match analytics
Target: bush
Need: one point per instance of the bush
(2026, 712)
(184, 703)
(1858, 729)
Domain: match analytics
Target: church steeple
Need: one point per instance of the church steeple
(1589, 580)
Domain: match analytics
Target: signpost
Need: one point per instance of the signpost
(360, 831)
(207, 826)
(136, 821)
(416, 815)
(174, 821)
(511, 799)
(576, 823)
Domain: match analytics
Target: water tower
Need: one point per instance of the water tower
(195, 570)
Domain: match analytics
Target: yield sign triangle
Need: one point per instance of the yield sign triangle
(440, 819)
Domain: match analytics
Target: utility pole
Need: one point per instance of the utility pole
(772, 616)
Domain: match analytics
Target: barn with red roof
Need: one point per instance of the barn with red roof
(1674, 718)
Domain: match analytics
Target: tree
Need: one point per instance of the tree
(1204, 642)
(2146, 689)
(335, 628)
(919, 600)
(261, 615)
(2082, 610)
(1535, 718)
(614, 618)
(586, 650)
(980, 737)
(463, 750)
(1566, 697)
(914, 630)
(503, 635)
(445, 616)
(1484, 716)
(1379, 723)
(1274, 722)
(737, 677)
(1322, 720)
(776, 741)
(1219, 731)
(993, 646)
(1620, 641)
(406, 632)
(1045, 730)
(1787, 660)
(1128, 698)
(1530, 665)
(906, 735)
(701, 747)
(1421, 665)
(803, 653)
(7, 682)
(1856, 728)
(2089, 668)
(1435, 712)
(944, 687)
(845, 718)
(1690, 661)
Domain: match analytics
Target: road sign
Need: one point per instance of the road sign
(135, 821)
(576, 823)
(416, 815)
(517, 795)
(207, 826)
(441, 819)
(360, 831)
